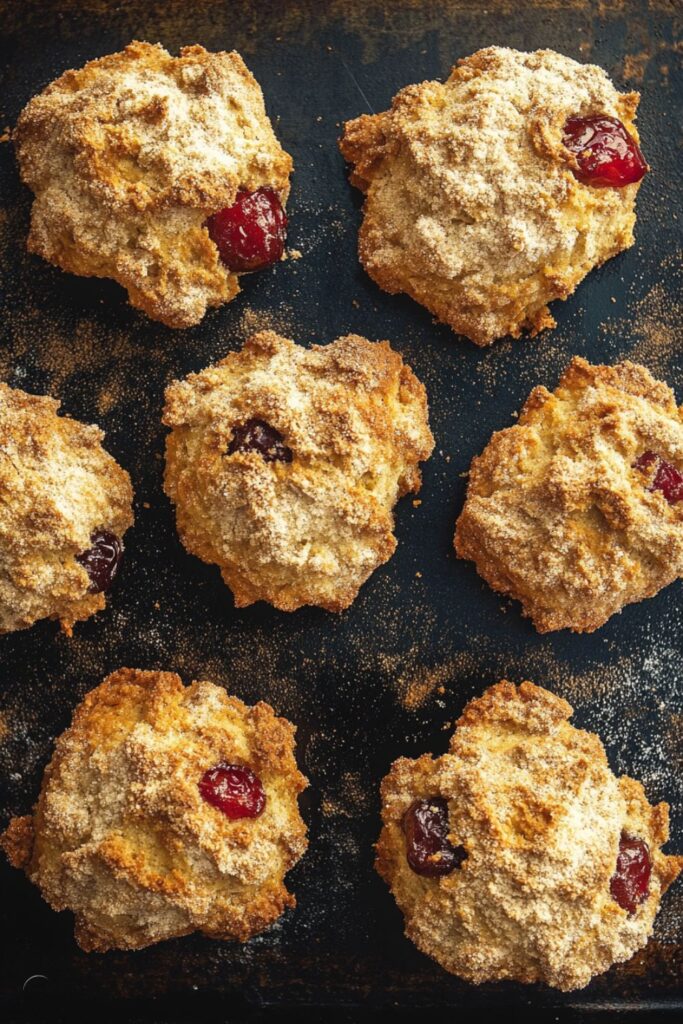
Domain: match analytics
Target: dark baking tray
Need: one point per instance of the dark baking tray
(388, 676)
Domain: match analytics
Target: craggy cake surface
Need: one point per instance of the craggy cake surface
(534, 804)
(308, 528)
(57, 487)
(559, 516)
(121, 835)
(471, 205)
(127, 158)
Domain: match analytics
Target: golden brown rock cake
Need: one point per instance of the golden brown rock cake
(285, 463)
(518, 855)
(577, 510)
(165, 810)
(473, 206)
(65, 505)
(131, 154)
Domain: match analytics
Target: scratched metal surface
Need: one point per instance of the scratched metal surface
(425, 635)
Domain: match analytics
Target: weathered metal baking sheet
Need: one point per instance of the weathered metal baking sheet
(388, 676)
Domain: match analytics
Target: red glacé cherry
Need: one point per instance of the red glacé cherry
(608, 156)
(258, 436)
(630, 883)
(667, 478)
(428, 850)
(102, 560)
(234, 790)
(250, 234)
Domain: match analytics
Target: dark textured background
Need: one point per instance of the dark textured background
(425, 635)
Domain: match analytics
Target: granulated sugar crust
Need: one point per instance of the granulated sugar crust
(471, 204)
(312, 530)
(540, 814)
(121, 835)
(127, 158)
(557, 515)
(57, 487)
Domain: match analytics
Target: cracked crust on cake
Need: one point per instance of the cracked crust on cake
(471, 205)
(540, 814)
(121, 836)
(129, 155)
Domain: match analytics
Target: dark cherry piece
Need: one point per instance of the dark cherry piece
(608, 156)
(234, 790)
(102, 560)
(428, 850)
(251, 233)
(258, 436)
(667, 478)
(630, 883)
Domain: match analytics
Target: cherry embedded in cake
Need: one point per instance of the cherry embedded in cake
(250, 234)
(665, 477)
(285, 462)
(470, 207)
(535, 899)
(234, 789)
(179, 140)
(428, 850)
(630, 882)
(258, 436)
(102, 560)
(607, 155)
(190, 863)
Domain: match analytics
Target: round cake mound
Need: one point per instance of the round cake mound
(58, 489)
(128, 157)
(471, 204)
(575, 510)
(284, 464)
(123, 834)
(535, 823)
